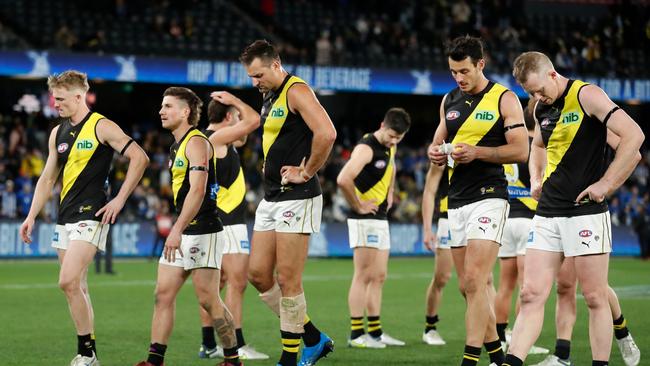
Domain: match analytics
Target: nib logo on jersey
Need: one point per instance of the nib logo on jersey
(84, 145)
(484, 116)
(570, 117)
(278, 112)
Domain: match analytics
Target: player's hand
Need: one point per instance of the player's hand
(26, 230)
(536, 189)
(224, 97)
(111, 210)
(436, 155)
(389, 201)
(172, 243)
(595, 192)
(430, 240)
(367, 207)
(294, 174)
(464, 153)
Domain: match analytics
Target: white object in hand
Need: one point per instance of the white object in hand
(447, 148)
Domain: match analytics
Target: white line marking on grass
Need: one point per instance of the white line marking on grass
(630, 292)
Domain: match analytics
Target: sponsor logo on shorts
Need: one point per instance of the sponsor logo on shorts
(531, 236)
(83, 224)
(62, 148)
(194, 250)
(373, 239)
(484, 220)
(585, 233)
(55, 237)
(288, 214)
(380, 164)
(452, 115)
(244, 244)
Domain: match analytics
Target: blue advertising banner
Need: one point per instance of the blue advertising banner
(135, 239)
(131, 68)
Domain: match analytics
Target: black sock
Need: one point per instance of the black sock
(471, 356)
(512, 360)
(430, 323)
(208, 337)
(620, 328)
(156, 354)
(501, 331)
(240, 338)
(84, 345)
(374, 326)
(290, 346)
(93, 343)
(599, 363)
(495, 351)
(231, 355)
(356, 327)
(311, 337)
(563, 349)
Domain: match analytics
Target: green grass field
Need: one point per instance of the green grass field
(35, 327)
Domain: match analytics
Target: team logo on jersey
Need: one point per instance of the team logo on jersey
(484, 116)
(84, 145)
(380, 164)
(452, 115)
(585, 233)
(545, 122)
(484, 220)
(62, 148)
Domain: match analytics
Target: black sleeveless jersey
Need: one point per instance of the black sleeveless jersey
(286, 141)
(85, 164)
(206, 220)
(475, 120)
(441, 195)
(521, 202)
(231, 197)
(374, 180)
(575, 155)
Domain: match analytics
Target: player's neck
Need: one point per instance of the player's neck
(216, 126)
(180, 131)
(482, 84)
(562, 84)
(79, 115)
(283, 75)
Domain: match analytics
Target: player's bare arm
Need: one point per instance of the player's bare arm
(109, 133)
(537, 163)
(516, 148)
(391, 190)
(597, 104)
(44, 188)
(198, 152)
(361, 155)
(435, 154)
(431, 183)
(302, 100)
(249, 121)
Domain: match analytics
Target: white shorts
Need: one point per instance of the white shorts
(443, 235)
(199, 251)
(236, 239)
(515, 237)
(573, 236)
(294, 216)
(369, 233)
(481, 220)
(90, 231)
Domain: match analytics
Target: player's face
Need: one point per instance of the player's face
(263, 74)
(173, 112)
(465, 73)
(390, 137)
(541, 87)
(66, 102)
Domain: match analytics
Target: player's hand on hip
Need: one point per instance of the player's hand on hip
(294, 174)
(536, 189)
(464, 153)
(436, 155)
(595, 192)
(430, 240)
(172, 244)
(26, 230)
(224, 97)
(367, 207)
(110, 211)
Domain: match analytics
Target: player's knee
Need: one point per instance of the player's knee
(565, 288)
(259, 279)
(473, 284)
(69, 284)
(237, 284)
(441, 280)
(163, 297)
(289, 282)
(379, 277)
(596, 298)
(530, 295)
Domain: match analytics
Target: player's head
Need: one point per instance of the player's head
(69, 90)
(466, 62)
(180, 105)
(535, 73)
(395, 125)
(219, 112)
(263, 65)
